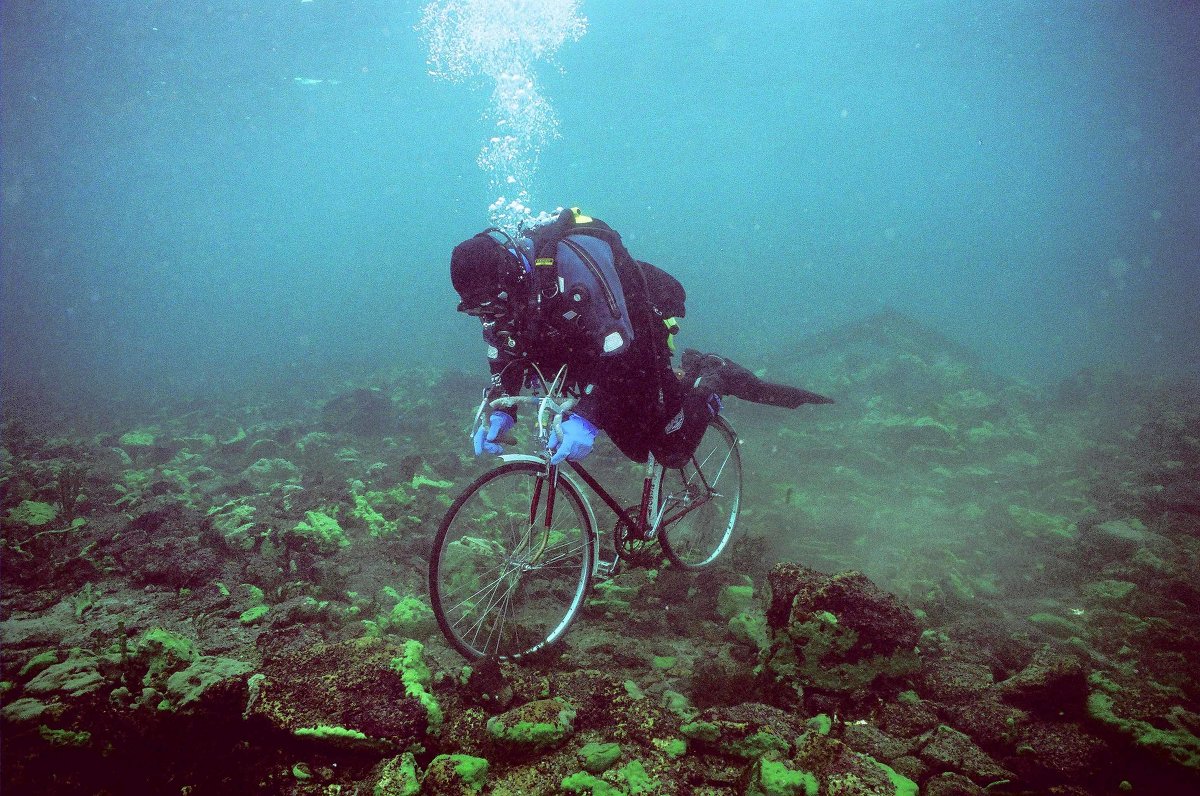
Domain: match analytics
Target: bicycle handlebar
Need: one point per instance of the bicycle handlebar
(544, 404)
(555, 400)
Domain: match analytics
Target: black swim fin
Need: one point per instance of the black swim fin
(720, 375)
(764, 392)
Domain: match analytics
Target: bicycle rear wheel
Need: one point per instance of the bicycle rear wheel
(503, 580)
(699, 502)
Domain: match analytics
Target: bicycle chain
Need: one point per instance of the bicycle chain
(631, 548)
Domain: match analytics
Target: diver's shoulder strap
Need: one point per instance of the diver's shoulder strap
(570, 222)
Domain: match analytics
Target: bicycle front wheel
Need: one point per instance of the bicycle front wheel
(699, 502)
(511, 562)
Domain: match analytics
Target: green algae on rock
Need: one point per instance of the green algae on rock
(162, 652)
(58, 737)
(76, 676)
(254, 614)
(410, 616)
(137, 438)
(189, 686)
(416, 677)
(747, 731)
(535, 726)
(838, 633)
(234, 520)
(350, 684)
(39, 662)
(265, 475)
(326, 732)
(398, 777)
(455, 774)
(322, 531)
(840, 769)
(1178, 745)
(736, 598)
(32, 514)
(585, 783)
(596, 758)
(776, 778)
(636, 780)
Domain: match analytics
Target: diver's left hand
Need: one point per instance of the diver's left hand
(490, 435)
(575, 440)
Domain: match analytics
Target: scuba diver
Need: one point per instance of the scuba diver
(568, 294)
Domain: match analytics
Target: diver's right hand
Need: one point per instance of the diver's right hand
(486, 436)
(572, 440)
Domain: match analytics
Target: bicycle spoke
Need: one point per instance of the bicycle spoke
(489, 602)
(472, 597)
(498, 625)
(562, 551)
(502, 581)
(696, 519)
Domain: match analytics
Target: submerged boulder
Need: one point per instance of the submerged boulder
(841, 770)
(317, 692)
(533, 727)
(947, 749)
(836, 633)
(455, 775)
(749, 731)
(367, 413)
(266, 474)
(1052, 684)
(1117, 540)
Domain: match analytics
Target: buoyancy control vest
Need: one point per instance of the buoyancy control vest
(588, 287)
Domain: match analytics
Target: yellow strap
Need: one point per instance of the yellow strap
(672, 325)
(580, 218)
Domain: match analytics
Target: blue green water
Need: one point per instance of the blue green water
(204, 196)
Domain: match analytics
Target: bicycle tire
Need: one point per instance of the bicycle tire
(699, 502)
(502, 585)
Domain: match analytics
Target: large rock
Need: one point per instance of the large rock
(952, 784)
(836, 633)
(954, 682)
(950, 750)
(883, 625)
(1051, 685)
(533, 727)
(1147, 716)
(267, 474)
(1054, 752)
(843, 771)
(991, 722)
(1119, 539)
(908, 715)
(348, 694)
(455, 775)
(749, 731)
(368, 413)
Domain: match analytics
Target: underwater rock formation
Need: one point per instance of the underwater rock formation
(836, 633)
(365, 412)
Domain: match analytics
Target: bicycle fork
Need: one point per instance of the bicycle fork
(549, 483)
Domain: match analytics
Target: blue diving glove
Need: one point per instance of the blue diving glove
(487, 436)
(576, 440)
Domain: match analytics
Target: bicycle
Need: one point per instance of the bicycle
(517, 551)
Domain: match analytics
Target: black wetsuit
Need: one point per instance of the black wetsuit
(634, 396)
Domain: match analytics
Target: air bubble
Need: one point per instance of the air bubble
(502, 40)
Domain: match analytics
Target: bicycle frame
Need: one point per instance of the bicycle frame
(650, 485)
(513, 558)
(642, 525)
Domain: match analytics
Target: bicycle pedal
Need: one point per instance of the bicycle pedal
(606, 569)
